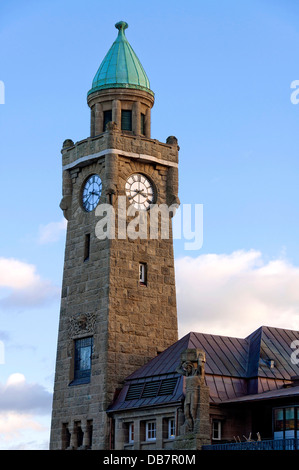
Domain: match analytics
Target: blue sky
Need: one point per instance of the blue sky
(222, 74)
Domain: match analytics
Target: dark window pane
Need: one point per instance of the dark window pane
(278, 419)
(290, 421)
(107, 118)
(87, 247)
(142, 124)
(126, 120)
(83, 351)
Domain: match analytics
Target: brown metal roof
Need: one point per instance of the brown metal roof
(234, 367)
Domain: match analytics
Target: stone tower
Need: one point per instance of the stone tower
(118, 301)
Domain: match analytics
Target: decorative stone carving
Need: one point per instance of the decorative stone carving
(112, 126)
(192, 367)
(82, 323)
(195, 431)
(68, 143)
(67, 189)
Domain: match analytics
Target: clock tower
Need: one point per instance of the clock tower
(118, 299)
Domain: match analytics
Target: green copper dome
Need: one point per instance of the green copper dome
(121, 67)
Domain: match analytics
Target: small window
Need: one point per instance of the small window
(150, 431)
(289, 419)
(87, 247)
(171, 428)
(83, 351)
(131, 433)
(142, 124)
(143, 274)
(278, 420)
(126, 120)
(107, 118)
(216, 430)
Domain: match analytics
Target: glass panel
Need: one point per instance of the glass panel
(83, 351)
(290, 419)
(142, 272)
(278, 419)
(151, 430)
(171, 429)
(107, 118)
(131, 432)
(126, 120)
(216, 429)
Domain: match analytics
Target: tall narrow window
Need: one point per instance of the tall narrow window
(86, 246)
(171, 428)
(143, 274)
(126, 120)
(216, 429)
(131, 432)
(142, 124)
(83, 351)
(278, 420)
(107, 118)
(150, 431)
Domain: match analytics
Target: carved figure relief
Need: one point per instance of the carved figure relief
(193, 370)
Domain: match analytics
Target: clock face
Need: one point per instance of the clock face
(139, 191)
(91, 193)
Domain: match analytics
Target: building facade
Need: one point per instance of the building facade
(249, 396)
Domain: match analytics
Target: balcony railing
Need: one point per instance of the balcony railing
(274, 444)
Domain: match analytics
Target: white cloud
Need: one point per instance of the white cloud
(233, 294)
(13, 425)
(22, 286)
(24, 414)
(52, 231)
(17, 395)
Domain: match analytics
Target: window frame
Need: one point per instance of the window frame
(142, 123)
(285, 427)
(218, 429)
(150, 431)
(171, 428)
(142, 274)
(131, 433)
(86, 247)
(107, 117)
(82, 375)
(126, 118)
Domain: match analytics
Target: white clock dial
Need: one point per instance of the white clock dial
(91, 193)
(140, 191)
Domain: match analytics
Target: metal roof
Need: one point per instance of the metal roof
(121, 67)
(270, 395)
(234, 366)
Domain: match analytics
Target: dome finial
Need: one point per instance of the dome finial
(121, 26)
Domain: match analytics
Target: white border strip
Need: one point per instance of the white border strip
(140, 156)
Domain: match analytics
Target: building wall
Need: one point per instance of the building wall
(159, 416)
